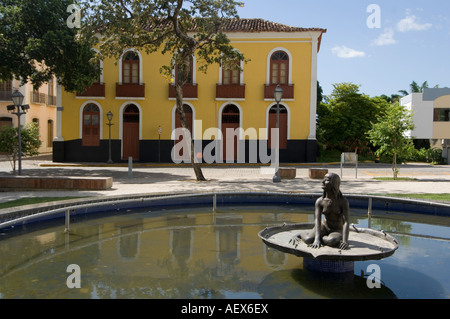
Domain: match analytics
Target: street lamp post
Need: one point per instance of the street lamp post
(278, 95)
(17, 99)
(109, 116)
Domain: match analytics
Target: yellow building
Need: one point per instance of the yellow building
(142, 102)
(42, 109)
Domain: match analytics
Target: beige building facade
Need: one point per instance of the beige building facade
(42, 109)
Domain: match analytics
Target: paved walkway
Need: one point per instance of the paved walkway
(172, 179)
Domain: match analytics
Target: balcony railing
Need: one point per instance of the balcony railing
(233, 91)
(288, 91)
(5, 96)
(38, 98)
(95, 90)
(130, 90)
(51, 100)
(190, 91)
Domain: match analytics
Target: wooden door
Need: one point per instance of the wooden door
(91, 125)
(130, 138)
(188, 113)
(230, 122)
(230, 155)
(282, 122)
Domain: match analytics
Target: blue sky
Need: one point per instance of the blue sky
(412, 42)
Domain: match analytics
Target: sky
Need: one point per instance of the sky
(381, 45)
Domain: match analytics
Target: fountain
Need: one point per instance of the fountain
(330, 244)
(206, 246)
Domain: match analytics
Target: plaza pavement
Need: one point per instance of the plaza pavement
(156, 179)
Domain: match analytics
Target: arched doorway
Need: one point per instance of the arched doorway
(189, 116)
(230, 122)
(282, 124)
(91, 125)
(130, 138)
(50, 133)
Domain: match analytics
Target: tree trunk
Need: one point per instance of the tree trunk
(182, 115)
(394, 166)
(184, 58)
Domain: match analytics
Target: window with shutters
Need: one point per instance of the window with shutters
(279, 68)
(130, 68)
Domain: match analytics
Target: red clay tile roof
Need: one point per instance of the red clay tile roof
(249, 25)
(260, 25)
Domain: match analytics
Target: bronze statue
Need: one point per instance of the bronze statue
(332, 229)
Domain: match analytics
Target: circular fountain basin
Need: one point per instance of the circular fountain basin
(183, 247)
(364, 243)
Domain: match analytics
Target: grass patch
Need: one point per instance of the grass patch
(33, 200)
(392, 179)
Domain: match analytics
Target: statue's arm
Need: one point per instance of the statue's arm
(345, 229)
(317, 220)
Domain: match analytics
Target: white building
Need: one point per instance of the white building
(431, 113)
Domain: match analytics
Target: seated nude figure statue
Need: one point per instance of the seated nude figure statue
(331, 230)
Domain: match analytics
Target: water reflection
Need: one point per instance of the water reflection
(305, 284)
(176, 254)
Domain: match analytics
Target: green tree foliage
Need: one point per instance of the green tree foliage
(29, 138)
(37, 44)
(179, 28)
(346, 117)
(389, 134)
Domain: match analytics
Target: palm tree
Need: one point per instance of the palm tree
(415, 88)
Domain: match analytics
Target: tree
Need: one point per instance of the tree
(389, 134)
(29, 138)
(345, 118)
(180, 28)
(394, 98)
(37, 44)
(415, 88)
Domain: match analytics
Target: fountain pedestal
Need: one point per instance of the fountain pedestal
(329, 266)
(364, 244)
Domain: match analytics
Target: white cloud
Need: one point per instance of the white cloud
(410, 24)
(347, 53)
(386, 38)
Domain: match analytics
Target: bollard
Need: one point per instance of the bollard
(130, 167)
(369, 213)
(67, 224)
(214, 202)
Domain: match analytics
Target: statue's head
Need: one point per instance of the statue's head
(332, 182)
